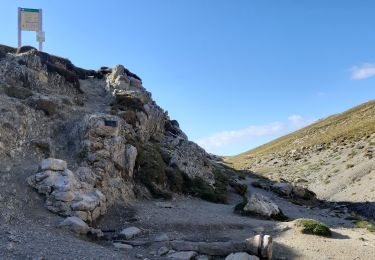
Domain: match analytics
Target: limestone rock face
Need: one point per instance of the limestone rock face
(150, 121)
(101, 122)
(261, 205)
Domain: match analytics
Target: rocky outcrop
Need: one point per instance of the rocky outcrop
(118, 141)
(65, 194)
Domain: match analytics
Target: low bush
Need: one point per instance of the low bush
(365, 224)
(311, 226)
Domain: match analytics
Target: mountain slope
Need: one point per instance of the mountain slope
(333, 157)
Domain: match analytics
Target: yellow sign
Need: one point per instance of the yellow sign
(30, 20)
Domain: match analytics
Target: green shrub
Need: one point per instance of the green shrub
(239, 206)
(365, 224)
(311, 226)
(82, 153)
(152, 170)
(18, 92)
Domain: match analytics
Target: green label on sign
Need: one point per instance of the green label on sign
(30, 10)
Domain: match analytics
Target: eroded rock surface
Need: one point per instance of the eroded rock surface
(104, 124)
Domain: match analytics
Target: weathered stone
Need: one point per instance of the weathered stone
(95, 213)
(96, 233)
(122, 246)
(80, 214)
(53, 164)
(85, 202)
(130, 232)
(303, 193)
(163, 250)
(161, 238)
(241, 256)
(130, 156)
(184, 255)
(282, 188)
(75, 224)
(104, 125)
(261, 205)
(63, 196)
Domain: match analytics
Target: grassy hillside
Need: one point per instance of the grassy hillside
(349, 126)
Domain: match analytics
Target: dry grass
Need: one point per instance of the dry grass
(346, 127)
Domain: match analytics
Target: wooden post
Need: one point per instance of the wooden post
(40, 30)
(19, 28)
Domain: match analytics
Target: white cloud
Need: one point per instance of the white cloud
(363, 71)
(226, 138)
(229, 139)
(297, 121)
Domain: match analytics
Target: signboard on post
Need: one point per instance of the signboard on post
(31, 20)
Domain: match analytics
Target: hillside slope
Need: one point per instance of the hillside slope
(333, 157)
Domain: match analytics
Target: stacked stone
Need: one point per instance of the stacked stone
(65, 194)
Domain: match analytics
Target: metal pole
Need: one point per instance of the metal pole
(40, 29)
(19, 28)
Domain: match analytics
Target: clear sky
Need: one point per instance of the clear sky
(235, 74)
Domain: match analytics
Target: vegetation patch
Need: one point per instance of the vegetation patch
(365, 224)
(160, 180)
(18, 92)
(152, 170)
(313, 227)
(239, 206)
(346, 127)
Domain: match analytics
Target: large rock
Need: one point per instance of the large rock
(261, 205)
(241, 256)
(75, 224)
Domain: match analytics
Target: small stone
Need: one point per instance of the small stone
(75, 224)
(162, 238)
(241, 256)
(202, 257)
(122, 246)
(166, 205)
(163, 251)
(97, 233)
(53, 164)
(183, 255)
(130, 232)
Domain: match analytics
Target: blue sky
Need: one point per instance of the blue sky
(235, 74)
